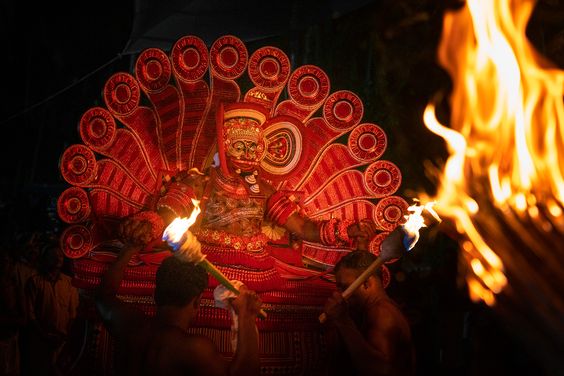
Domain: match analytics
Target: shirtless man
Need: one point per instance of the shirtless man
(373, 336)
(161, 345)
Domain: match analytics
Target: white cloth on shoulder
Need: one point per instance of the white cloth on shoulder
(222, 297)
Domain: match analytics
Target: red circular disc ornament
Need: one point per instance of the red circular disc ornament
(390, 211)
(228, 57)
(367, 142)
(78, 165)
(382, 178)
(76, 241)
(97, 128)
(122, 94)
(153, 70)
(269, 68)
(308, 86)
(73, 205)
(343, 110)
(190, 58)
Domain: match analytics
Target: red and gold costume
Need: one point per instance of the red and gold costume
(309, 155)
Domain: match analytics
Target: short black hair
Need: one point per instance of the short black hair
(358, 260)
(178, 282)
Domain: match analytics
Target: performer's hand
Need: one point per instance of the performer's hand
(363, 232)
(141, 229)
(336, 307)
(247, 302)
(135, 232)
(365, 228)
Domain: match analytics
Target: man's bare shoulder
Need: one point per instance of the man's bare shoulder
(184, 337)
(192, 353)
(167, 350)
(387, 315)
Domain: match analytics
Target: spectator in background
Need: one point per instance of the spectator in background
(18, 256)
(11, 317)
(52, 303)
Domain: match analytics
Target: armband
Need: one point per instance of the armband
(342, 233)
(327, 231)
(177, 199)
(279, 208)
(334, 232)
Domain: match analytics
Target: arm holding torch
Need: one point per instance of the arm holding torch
(135, 235)
(402, 239)
(392, 248)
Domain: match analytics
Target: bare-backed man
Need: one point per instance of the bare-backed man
(160, 345)
(372, 335)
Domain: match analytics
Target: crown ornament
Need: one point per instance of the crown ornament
(241, 129)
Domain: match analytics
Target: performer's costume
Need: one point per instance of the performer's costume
(174, 114)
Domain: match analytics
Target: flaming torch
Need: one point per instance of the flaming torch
(187, 248)
(394, 246)
(414, 222)
(503, 185)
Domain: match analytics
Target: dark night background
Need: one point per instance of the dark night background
(57, 56)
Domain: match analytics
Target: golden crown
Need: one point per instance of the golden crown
(243, 121)
(242, 128)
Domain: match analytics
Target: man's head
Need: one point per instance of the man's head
(178, 283)
(350, 267)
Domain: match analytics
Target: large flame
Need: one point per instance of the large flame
(506, 139)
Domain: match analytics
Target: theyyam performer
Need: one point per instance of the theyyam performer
(286, 187)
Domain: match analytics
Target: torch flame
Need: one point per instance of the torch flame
(175, 230)
(507, 133)
(415, 221)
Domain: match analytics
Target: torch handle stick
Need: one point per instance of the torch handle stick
(357, 282)
(221, 278)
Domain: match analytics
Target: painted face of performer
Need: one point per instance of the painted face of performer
(243, 144)
(242, 156)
